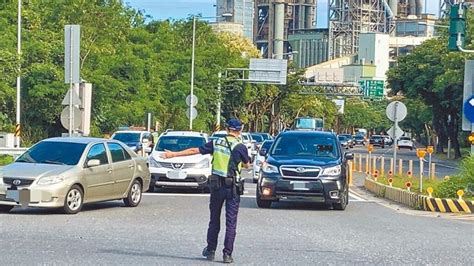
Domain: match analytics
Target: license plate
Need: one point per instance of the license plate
(22, 196)
(299, 185)
(176, 175)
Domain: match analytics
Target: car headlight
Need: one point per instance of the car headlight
(268, 168)
(332, 171)
(202, 164)
(153, 162)
(50, 180)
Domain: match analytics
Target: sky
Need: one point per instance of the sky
(179, 9)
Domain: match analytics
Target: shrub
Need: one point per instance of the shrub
(465, 178)
(5, 159)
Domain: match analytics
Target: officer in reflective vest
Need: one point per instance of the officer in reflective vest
(229, 155)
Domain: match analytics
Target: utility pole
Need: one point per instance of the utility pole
(192, 76)
(18, 80)
(219, 99)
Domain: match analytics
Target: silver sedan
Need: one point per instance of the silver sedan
(68, 172)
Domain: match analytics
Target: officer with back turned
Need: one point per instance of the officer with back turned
(229, 155)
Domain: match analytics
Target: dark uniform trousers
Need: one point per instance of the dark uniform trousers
(232, 202)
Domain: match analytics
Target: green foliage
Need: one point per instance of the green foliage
(5, 159)
(135, 68)
(364, 114)
(435, 76)
(449, 187)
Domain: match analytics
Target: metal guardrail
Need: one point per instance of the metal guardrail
(12, 151)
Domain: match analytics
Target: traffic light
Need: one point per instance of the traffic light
(457, 27)
(471, 138)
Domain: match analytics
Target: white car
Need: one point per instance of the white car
(250, 144)
(179, 172)
(405, 142)
(260, 158)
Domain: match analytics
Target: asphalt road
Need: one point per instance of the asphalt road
(443, 168)
(170, 227)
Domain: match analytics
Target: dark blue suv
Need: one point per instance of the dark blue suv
(305, 166)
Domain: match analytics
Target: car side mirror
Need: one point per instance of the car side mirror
(262, 152)
(93, 162)
(349, 156)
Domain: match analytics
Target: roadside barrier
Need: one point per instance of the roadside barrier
(448, 205)
(419, 202)
(399, 195)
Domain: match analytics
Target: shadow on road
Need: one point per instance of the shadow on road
(148, 254)
(57, 211)
(250, 203)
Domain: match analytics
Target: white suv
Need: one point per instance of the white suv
(184, 172)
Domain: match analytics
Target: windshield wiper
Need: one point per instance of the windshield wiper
(52, 162)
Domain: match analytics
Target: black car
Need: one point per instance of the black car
(359, 140)
(305, 165)
(377, 140)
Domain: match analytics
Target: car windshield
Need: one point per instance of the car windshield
(359, 137)
(179, 143)
(305, 146)
(127, 137)
(342, 138)
(267, 144)
(266, 136)
(54, 152)
(405, 138)
(257, 138)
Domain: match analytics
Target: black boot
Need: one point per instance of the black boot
(209, 254)
(228, 258)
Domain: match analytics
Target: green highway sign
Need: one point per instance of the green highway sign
(373, 89)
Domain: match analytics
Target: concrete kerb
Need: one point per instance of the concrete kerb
(418, 202)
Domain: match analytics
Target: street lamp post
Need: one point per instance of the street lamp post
(191, 103)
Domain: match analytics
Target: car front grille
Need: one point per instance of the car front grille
(177, 165)
(300, 172)
(23, 182)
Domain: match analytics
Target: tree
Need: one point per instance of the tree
(434, 75)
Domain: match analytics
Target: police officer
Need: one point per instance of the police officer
(229, 155)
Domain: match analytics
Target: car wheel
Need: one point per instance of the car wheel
(5, 208)
(74, 200)
(344, 200)
(134, 194)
